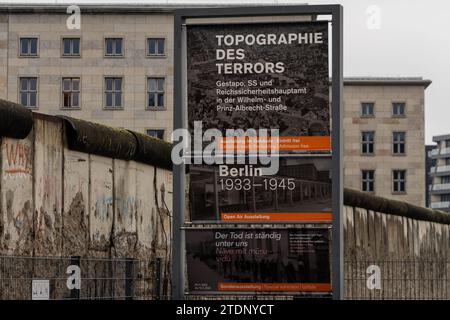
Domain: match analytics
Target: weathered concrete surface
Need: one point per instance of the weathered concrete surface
(48, 190)
(60, 202)
(101, 203)
(75, 230)
(16, 216)
(413, 255)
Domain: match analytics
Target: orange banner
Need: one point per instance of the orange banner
(276, 216)
(280, 287)
(299, 143)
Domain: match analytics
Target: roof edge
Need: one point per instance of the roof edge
(387, 81)
(119, 8)
(441, 137)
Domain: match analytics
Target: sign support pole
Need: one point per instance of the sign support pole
(337, 240)
(178, 239)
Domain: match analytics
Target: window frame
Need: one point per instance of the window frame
(156, 129)
(79, 92)
(393, 181)
(394, 143)
(366, 182)
(147, 92)
(446, 144)
(367, 115)
(445, 180)
(404, 109)
(147, 47)
(19, 91)
(122, 93)
(362, 143)
(29, 55)
(105, 55)
(62, 47)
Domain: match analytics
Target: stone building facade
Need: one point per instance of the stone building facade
(384, 137)
(91, 66)
(143, 75)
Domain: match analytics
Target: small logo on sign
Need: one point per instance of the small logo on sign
(40, 290)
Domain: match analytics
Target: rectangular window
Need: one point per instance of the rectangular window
(445, 179)
(367, 109)
(28, 92)
(71, 92)
(368, 180)
(155, 92)
(71, 47)
(447, 143)
(367, 142)
(445, 197)
(156, 46)
(114, 47)
(113, 92)
(398, 142)
(28, 47)
(398, 109)
(399, 180)
(156, 133)
(447, 161)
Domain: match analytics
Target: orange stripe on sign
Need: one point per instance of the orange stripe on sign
(293, 143)
(280, 287)
(276, 216)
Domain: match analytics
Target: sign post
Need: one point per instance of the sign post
(250, 76)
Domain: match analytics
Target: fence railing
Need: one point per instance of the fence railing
(397, 279)
(64, 278)
(21, 278)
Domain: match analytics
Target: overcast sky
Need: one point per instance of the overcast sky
(404, 38)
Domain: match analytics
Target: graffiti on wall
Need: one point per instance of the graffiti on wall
(17, 159)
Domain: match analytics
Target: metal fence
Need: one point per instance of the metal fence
(120, 279)
(397, 280)
(99, 278)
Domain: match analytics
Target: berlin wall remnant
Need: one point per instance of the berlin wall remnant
(63, 192)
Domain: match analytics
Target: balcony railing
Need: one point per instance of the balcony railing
(440, 205)
(436, 152)
(441, 186)
(440, 169)
(433, 152)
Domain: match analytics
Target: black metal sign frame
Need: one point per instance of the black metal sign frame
(180, 116)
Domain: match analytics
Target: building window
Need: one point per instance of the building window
(28, 92)
(399, 180)
(71, 47)
(367, 109)
(367, 142)
(113, 47)
(398, 109)
(28, 47)
(368, 180)
(398, 142)
(447, 143)
(155, 92)
(447, 161)
(156, 46)
(445, 179)
(113, 92)
(156, 133)
(71, 92)
(445, 197)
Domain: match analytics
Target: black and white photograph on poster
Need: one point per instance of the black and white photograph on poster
(250, 260)
(261, 76)
(299, 191)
